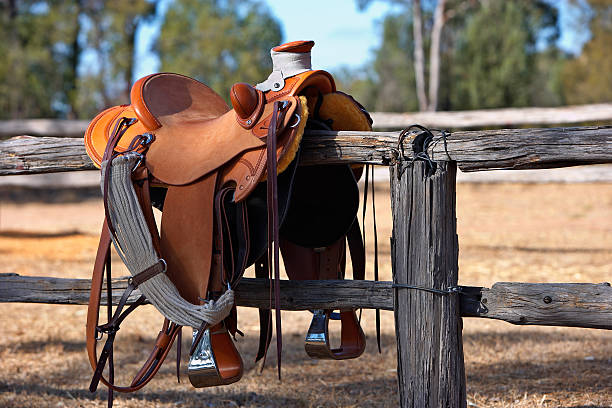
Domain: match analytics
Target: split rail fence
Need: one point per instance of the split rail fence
(424, 246)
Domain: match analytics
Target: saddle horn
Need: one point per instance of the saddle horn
(247, 103)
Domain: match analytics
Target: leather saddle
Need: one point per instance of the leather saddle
(232, 194)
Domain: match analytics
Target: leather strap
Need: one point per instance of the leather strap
(167, 334)
(273, 223)
(365, 204)
(303, 263)
(265, 315)
(162, 345)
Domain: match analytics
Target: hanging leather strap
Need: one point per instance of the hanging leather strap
(162, 344)
(265, 315)
(273, 222)
(169, 330)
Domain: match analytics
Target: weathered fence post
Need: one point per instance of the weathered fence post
(425, 251)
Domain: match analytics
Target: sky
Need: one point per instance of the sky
(344, 35)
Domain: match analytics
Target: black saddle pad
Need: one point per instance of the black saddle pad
(323, 205)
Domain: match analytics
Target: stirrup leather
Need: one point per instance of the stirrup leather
(215, 360)
(352, 343)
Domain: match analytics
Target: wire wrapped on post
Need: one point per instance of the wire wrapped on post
(420, 144)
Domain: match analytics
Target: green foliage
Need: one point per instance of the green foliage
(110, 41)
(493, 67)
(395, 90)
(489, 56)
(219, 42)
(35, 51)
(388, 84)
(497, 63)
(43, 47)
(587, 78)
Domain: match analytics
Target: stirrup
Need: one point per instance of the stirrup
(215, 360)
(352, 343)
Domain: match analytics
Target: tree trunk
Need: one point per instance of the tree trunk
(13, 110)
(131, 27)
(74, 63)
(434, 56)
(419, 58)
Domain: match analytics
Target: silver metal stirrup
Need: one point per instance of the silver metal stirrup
(317, 339)
(202, 369)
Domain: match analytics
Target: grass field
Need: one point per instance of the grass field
(507, 232)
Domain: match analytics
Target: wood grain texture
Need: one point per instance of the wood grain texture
(251, 292)
(546, 304)
(472, 150)
(572, 304)
(425, 253)
(31, 155)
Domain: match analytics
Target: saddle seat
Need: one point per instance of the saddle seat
(196, 133)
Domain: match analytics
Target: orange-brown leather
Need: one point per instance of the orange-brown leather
(187, 219)
(320, 80)
(187, 236)
(295, 46)
(327, 263)
(229, 362)
(196, 135)
(352, 338)
(101, 127)
(197, 132)
(176, 97)
(162, 345)
(248, 103)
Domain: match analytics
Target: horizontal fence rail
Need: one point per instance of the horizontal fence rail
(546, 304)
(382, 120)
(43, 127)
(472, 150)
(496, 117)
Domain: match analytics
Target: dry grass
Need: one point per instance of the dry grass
(508, 232)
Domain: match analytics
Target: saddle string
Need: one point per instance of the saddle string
(109, 314)
(109, 152)
(369, 184)
(273, 223)
(363, 214)
(265, 315)
(375, 257)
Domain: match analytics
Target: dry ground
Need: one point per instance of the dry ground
(507, 232)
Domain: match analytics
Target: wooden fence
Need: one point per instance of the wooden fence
(424, 246)
(382, 120)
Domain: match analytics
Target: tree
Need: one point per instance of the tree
(36, 53)
(481, 54)
(586, 78)
(428, 21)
(219, 42)
(496, 63)
(394, 67)
(110, 41)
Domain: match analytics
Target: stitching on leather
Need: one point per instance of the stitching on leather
(247, 164)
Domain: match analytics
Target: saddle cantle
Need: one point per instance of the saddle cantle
(232, 195)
